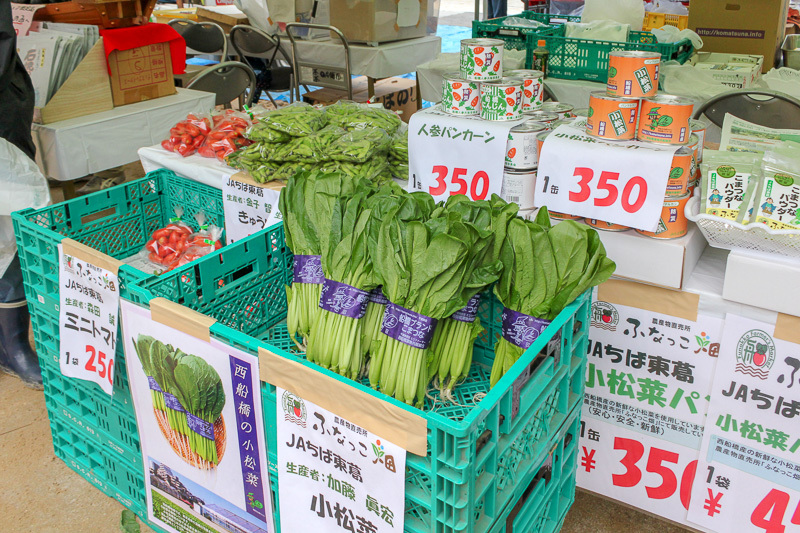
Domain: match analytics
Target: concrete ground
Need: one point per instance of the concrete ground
(39, 493)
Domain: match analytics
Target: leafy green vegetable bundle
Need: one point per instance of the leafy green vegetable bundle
(544, 270)
(187, 390)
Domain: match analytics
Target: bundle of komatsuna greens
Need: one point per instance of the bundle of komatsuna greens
(387, 283)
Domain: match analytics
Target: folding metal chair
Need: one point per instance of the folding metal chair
(201, 38)
(259, 50)
(309, 72)
(228, 81)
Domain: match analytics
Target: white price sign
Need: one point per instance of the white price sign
(88, 314)
(334, 475)
(622, 183)
(748, 476)
(249, 206)
(451, 155)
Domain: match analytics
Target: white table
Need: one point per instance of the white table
(206, 170)
(70, 149)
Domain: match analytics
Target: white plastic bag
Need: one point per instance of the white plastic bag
(599, 30)
(671, 34)
(258, 14)
(23, 186)
(666, 6)
(785, 80)
(689, 81)
(624, 11)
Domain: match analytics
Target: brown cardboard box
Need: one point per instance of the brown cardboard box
(377, 21)
(397, 94)
(226, 16)
(141, 74)
(741, 26)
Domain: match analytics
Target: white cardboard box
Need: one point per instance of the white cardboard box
(767, 282)
(739, 71)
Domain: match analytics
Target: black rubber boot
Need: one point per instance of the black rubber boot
(16, 355)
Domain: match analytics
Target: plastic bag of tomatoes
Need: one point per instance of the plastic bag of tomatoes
(227, 136)
(168, 244)
(199, 244)
(188, 135)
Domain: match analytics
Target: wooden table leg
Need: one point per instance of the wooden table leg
(419, 95)
(370, 87)
(68, 187)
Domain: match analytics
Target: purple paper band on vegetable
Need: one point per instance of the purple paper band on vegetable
(407, 326)
(468, 312)
(520, 329)
(172, 402)
(343, 299)
(200, 426)
(153, 383)
(376, 296)
(308, 269)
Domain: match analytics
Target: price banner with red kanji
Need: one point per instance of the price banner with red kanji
(449, 155)
(88, 317)
(748, 475)
(618, 182)
(648, 380)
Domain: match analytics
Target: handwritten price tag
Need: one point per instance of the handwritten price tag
(249, 206)
(621, 183)
(88, 317)
(451, 155)
(22, 17)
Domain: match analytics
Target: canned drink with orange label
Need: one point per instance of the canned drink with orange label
(482, 59)
(561, 109)
(522, 150)
(460, 96)
(633, 73)
(532, 88)
(562, 216)
(699, 128)
(673, 223)
(681, 172)
(693, 144)
(605, 226)
(611, 117)
(664, 119)
(540, 141)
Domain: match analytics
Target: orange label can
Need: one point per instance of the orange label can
(605, 226)
(540, 141)
(694, 146)
(555, 215)
(699, 128)
(611, 117)
(664, 119)
(673, 223)
(633, 73)
(681, 172)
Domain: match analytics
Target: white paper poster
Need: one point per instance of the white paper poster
(450, 155)
(249, 207)
(335, 476)
(88, 318)
(22, 17)
(748, 476)
(618, 182)
(647, 384)
(198, 407)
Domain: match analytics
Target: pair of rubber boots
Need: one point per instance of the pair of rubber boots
(16, 355)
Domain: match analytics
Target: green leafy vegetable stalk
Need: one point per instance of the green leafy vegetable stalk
(453, 339)
(336, 339)
(421, 266)
(198, 387)
(544, 270)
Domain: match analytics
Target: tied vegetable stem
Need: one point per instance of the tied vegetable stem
(372, 325)
(335, 344)
(506, 354)
(303, 310)
(451, 350)
(400, 370)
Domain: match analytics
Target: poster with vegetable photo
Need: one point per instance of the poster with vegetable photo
(198, 407)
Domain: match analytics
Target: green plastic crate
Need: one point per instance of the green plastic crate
(479, 452)
(585, 59)
(117, 222)
(515, 37)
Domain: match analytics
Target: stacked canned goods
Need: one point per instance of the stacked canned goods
(631, 109)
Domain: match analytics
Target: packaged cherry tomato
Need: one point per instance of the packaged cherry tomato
(200, 244)
(227, 136)
(167, 244)
(188, 135)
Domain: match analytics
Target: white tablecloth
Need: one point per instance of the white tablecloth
(73, 148)
(206, 170)
(382, 61)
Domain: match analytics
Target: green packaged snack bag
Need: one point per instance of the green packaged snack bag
(725, 179)
(778, 204)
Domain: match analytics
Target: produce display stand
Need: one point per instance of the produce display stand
(482, 455)
(96, 435)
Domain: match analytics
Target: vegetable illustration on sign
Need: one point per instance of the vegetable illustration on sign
(381, 457)
(294, 409)
(657, 120)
